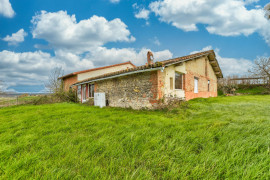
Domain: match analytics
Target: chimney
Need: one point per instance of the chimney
(150, 58)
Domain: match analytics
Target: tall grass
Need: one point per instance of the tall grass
(216, 138)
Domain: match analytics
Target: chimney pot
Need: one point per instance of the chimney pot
(150, 58)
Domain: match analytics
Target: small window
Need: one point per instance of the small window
(84, 92)
(178, 80)
(208, 85)
(91, 90)
(171, 83)
(196, 80)
(79, 91)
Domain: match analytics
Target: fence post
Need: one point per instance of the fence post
(17, 100)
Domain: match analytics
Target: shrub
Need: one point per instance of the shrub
(58, 97)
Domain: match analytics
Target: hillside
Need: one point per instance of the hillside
(216, 138)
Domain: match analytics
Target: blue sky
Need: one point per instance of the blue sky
(38, 35)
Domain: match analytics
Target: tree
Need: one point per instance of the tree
(267, 11)
(261, 68)
(54, 84)
(1, 87)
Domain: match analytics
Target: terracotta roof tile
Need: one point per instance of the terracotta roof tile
(94, 69)
(155, 65)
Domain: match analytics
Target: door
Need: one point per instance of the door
(196, 85)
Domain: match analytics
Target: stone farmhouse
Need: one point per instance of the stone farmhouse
(127, 85)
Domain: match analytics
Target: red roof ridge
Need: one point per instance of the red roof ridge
(156, 65)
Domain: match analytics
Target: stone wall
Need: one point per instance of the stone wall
(136, 91)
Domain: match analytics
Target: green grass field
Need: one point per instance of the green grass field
(252, 90)
(10, 101)
(216, 138)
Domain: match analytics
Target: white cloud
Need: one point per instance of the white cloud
(63, 32)
(142, 14)
(76, 45)
(33, 68)
(207, 48)
(251, 1)
(27, 68)
(233, 66)
(228, 65)
(6, 9)
(115, 1)
(104, 56)
(15, 38)
(226, 18)
(156, 41)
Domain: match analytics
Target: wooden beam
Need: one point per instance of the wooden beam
(178, 64)
(213, 62)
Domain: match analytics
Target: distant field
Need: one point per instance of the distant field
(9, 101)
(216, 138)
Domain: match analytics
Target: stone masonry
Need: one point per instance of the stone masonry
(135, 91)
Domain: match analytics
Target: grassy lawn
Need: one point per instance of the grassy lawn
(216, 138)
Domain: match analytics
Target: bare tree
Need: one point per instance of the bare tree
(1, 87)
(54, 84)
(261, 68)
(267, 11)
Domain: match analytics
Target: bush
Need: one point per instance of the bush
(89, 102)
(58, 97)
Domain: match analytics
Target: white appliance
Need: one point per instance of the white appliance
(99, 99)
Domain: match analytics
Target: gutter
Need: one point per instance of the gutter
(118, 75)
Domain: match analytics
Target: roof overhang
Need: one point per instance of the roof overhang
(160, 66)
(214, 63)
(95, 69)
(210, 55)
(118, 75)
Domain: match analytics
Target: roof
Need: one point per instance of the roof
(161, 64)
(94, 69)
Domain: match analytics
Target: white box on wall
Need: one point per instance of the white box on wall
(99, 99)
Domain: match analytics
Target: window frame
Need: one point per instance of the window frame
(91, 90)
(196, 91)
(83, 92)
(79, 91)
(182, 81)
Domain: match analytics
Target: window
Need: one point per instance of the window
(84, 92)
(79, 92)
(196, 85)
(178, 80)
(171, 83)
(91, 90)
(208, 85)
